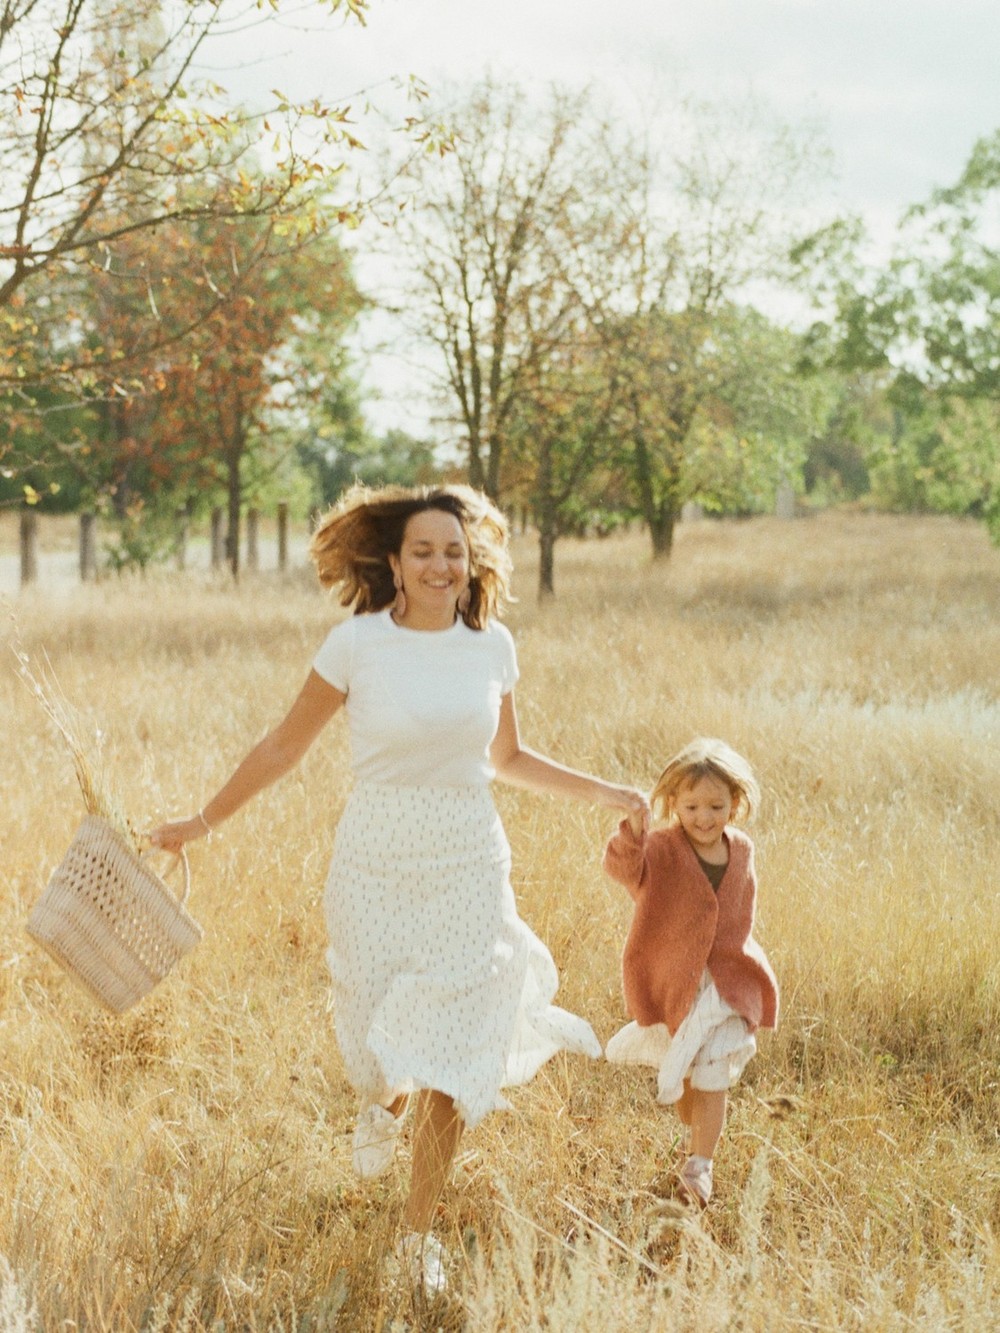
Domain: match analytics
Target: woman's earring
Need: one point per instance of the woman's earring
(399, 605)
(465, 600)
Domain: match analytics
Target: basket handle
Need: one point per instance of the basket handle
(180, 857)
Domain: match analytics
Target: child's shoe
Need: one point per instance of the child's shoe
(696, 1180)
(375, 1137)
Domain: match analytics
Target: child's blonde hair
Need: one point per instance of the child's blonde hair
(707, 757)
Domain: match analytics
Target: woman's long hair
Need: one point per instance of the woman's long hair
(353, 541)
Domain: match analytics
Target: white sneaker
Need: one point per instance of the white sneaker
(375, 1137)
(696, 1180)
(421, 1257)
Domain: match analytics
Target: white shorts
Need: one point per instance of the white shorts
(710, 1049)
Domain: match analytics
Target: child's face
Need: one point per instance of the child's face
(703, 809)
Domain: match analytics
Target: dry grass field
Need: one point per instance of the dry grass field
(187, 1166)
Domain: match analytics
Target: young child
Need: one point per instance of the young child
(696, 981)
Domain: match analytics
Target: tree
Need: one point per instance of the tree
(948, 289)
(753, 427)
(554, 230)
(676, 228)
(858, 418)
(196, 414)
(486, 293)
(560, 438)
(240, 366)
(104, 133)
(928, 323)
(332, 439)
(108, 138)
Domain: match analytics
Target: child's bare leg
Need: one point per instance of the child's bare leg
(684, 1104)
(708, 1115)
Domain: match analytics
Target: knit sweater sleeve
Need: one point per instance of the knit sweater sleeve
(625, 858)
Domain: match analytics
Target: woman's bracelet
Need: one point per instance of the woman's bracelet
(208, 827)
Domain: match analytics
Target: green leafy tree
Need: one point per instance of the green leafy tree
(686, 224)
(753, 427)
(561, 446)
(927, 322)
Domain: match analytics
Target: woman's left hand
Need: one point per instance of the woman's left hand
(634, 802)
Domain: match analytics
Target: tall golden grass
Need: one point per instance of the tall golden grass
(188, 1166)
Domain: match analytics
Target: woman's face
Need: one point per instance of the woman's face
(433, 562)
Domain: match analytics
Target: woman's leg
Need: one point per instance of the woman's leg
(437, 1131)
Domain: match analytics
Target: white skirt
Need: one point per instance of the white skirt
(437, 982)
(711, 1048)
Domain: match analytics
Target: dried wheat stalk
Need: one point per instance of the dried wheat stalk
(99, 794)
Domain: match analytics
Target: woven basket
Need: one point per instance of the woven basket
(109, 920)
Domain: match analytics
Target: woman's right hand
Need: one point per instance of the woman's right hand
(172, 836)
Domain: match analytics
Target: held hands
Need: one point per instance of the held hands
(636, 806)
(639, 823)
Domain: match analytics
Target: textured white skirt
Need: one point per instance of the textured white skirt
(711, 1048)
(437, 982)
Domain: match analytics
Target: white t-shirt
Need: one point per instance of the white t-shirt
(422, 705)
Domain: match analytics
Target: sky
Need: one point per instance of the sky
(900, 91)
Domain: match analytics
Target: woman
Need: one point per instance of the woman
(439, 987)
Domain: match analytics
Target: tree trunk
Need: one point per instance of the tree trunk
(234, 490)
(493, 469)
(282, 535)
(88, 547)
(546, 518)
(661, 532)
(218, 546)
(657, 478)
(477, 473)
(253, 545)
(29, 546)
(546, 562)
(182, 527)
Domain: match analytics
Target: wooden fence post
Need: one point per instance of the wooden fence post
(282, 535)
(29, 546)
(218, 540)
(88, 547)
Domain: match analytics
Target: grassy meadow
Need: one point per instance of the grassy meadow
(187, 1166)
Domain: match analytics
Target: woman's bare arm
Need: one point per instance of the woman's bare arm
(521, 767)
(279, 751)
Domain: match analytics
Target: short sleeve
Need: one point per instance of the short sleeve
(335, 659)
(508, 659)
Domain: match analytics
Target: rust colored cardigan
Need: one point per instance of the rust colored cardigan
(681, 926)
